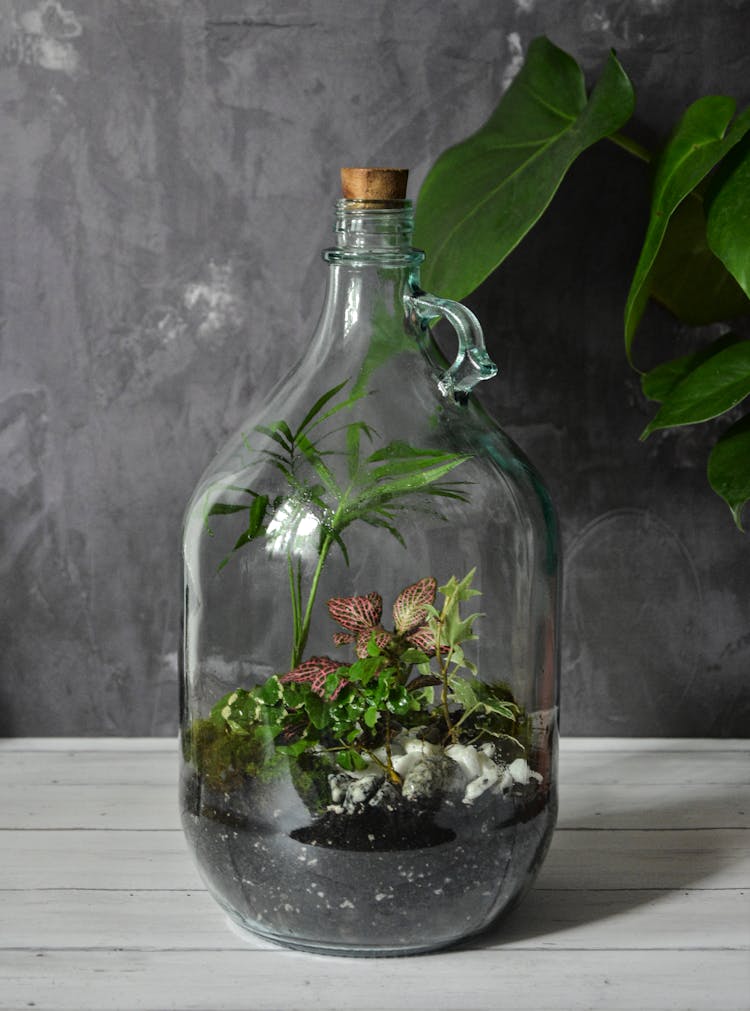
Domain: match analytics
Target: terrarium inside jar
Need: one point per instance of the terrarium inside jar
(370, 665)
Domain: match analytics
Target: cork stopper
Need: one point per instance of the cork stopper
(374, 183)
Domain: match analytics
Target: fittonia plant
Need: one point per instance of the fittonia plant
(414, 679)
(411, 682)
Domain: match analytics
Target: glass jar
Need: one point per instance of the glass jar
(369, 664)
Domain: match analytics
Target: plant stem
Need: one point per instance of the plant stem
(444, 678)
(392, 774)
(300, 639)
(631, 146)
(294, 590)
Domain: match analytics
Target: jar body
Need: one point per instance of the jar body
(369, 683)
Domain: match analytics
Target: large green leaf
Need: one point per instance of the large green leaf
(659, 382)
(482, 196)
(728, 205)
(714, 387)
(688, 278)
(729, 467)
(701, 139)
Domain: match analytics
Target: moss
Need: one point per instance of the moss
(221, 757)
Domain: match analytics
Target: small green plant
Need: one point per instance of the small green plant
(323, 500)
(482, 196)
(413, 678)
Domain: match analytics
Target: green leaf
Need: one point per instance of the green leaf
(371, 716)
(728, 209)
(398, 450)
(701, 139)
(659, 382)
(373, 520)
(352, 761)
(687, 278)
(712, 388)
(482, 196)
(414, 656)
(318, 406)
(729, 467)
(224, 509)
(274, 432)
(317, 710)
(464, 694)
(272, 691)
(316, 461)
(257, 514)
(417, 480)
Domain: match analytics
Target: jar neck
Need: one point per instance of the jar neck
(371, 268)
(374, 232)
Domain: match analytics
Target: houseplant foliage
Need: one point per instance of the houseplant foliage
(482, 196)
(413, 683)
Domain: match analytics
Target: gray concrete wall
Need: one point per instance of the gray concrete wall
(166, 173)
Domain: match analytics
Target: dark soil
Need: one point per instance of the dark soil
(374, 881)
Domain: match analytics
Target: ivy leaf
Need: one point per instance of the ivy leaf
(351, 761)
(712, 388)
(460, 589)
(659, 382)
(729, 467)
(464, 693)
(482, 196)
(701, 139)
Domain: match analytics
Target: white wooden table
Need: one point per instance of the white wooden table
(643, 902)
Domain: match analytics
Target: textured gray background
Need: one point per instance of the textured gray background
(166, 176)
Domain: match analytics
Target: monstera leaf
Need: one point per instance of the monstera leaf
(728, 205)
(482, 196)
(704, 135)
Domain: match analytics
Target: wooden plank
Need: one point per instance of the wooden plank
(470, 981)
(96, 859)
(680, 768)
(655, 806)
(717, 858)
(571, 919)
(100, 805)
(86, 768)
(78, 744)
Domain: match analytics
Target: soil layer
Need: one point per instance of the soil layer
(374, 881)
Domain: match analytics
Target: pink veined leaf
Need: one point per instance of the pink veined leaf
(410, 608)
(382, 638)
(314, 672)
(424, 638)
(342, 638)
(357, 614)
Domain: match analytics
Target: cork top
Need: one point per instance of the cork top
(374, 183)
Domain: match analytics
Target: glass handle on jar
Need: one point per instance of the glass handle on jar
(472, 363)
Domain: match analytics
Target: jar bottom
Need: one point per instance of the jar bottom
(379, 903)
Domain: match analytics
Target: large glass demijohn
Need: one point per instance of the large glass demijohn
(369, 684)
